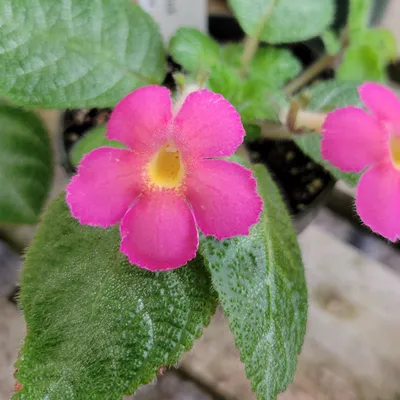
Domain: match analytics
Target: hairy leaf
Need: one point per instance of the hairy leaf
(74, 53)
(99, 327)
(261, 286)
(194, 50)
(284, 21)
(92, 140)
(26, 166)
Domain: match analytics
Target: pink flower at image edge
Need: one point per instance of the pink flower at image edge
(168, 180)
(355, 140)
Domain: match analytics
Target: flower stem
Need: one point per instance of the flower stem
(309, 74)
(252, 42)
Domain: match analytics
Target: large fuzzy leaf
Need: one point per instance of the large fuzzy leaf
(74, 53)
(261, 286)
(99, 327)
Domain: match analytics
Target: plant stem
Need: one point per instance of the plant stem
(309, 74)
(252, 42)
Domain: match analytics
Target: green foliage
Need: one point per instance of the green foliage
(331, 42)
(362, 62)
(194, 50)
(261, 286)
(327, 96)
(26, 166)
(284, 21)
(99, 327)
(369, 50)
(92, 140)
(74, 53)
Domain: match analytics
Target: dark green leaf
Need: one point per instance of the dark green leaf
(327, 96)
(261, 286)
(99, 327)
(92, 140)
(194, 50)
(284, 21)
(310, 144)
(69, 53)
(253, 132)
(26, 166)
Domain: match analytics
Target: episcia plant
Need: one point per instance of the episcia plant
(162, 221)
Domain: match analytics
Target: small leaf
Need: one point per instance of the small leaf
(75, 53)
(99, 327)
(194, 50)
(92, 140)
(261, 286)
(327, 96)
(284, 21)
(361, 63)
(310, 144)
(359, 16)
(331, 42)
(26, 166)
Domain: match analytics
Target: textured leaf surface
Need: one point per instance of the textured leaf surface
(261, 286)
(99, 327)
(194, 50)
(74, 53)
(26, 167)
(92, 140)
(287, 20)
(327, 96)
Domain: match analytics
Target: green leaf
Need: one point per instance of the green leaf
(331, 42)
(75, 53)
(26, 166)
(284, 21)
(261, 286)
(92, 140)
(359, 15)
(362, 63)
(194, 50)
(310, 144)
(327, 96)
(99, 327)
(253, 132)
(274, 67)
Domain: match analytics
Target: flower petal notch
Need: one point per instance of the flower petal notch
(168, 181)
(355, 140)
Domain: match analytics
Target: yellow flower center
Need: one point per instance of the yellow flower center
(395, 150)
(166, 168)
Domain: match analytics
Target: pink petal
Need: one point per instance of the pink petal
(378, 200)
(140, 119)
(107, 182)
(382, 102)
(207, 125)
(159, 231)
(353, 139)
(224, 198)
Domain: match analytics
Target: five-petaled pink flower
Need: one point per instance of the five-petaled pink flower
(354, 140)
(168, 180)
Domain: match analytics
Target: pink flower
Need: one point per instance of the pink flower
(168, 181)
(355, 140)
